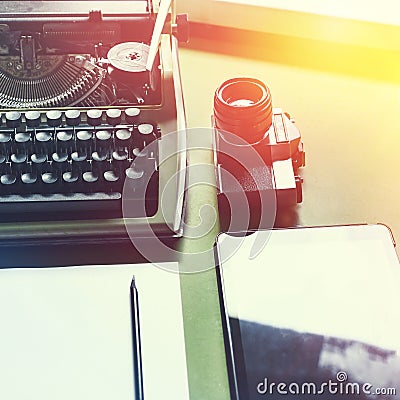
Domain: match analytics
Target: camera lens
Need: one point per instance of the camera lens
(243, 106)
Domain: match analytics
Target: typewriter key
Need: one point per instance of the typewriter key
(43, 136)
(54, 118)
(131, 114)
(121, 136)
(42, 142)
(49, 177)
(22, 137)
(21, 142)
(103, 138)
(5, 137)
(137, 152)
(8, 179)
(145, 129)
(59, 157)
(110, 176)
(122, 139)
(32, 119)
(13, 119)
(113, 116)
(96, 156)
(70, 177)
(65, 141)
(28, 177)
(63, 136)
(132, 173)
(90, 177)
(38, 158)
(18, 158)
(78, 156)
(120, 155)
(83, 140)
(83, 136)
(94, 117)
(73, 117)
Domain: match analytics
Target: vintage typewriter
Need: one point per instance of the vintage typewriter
(85, 125)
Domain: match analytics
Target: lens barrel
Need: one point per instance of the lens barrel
(243, 106)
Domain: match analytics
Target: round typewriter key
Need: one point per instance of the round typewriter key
(64, 141)
(131, 114)
(139, 153)
(2, 158)
(122, 137)
(110, 176)
(113, 116)
(63, 136)
(38, 158)
(28, 177)
(120, 155)
(54, 118)
(103, 142)
(43, 136)
(73, 117)
(83, 140)
(99, 157)
(145, 129)
(59, 157)
(78, 156)
(5, 137)
(103, 135)
(18, 158)
(8, 179)
(49, 177)
(22, 137)
(32, 118)
(83, 136)
(13, 119)
(21, 142)
(70, 177)
(94, 117)
(90, 177)
(133, 173)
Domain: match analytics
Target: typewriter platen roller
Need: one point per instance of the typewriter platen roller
(78, 111)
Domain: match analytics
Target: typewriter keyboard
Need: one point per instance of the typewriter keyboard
(52, 161)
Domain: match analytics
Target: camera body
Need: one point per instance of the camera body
(258, 152)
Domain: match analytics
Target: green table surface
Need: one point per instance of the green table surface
(347, 110)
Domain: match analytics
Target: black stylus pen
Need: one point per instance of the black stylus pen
(137, 353)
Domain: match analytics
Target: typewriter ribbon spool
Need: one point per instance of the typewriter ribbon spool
(128, 62)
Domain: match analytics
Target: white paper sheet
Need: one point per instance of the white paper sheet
(65, 333)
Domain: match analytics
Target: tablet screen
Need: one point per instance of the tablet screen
(314, 314)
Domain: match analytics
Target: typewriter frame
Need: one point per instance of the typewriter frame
(59, 236)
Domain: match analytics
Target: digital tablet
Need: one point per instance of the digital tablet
(311, 313)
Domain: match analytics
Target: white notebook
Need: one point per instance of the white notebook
(65, 333)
